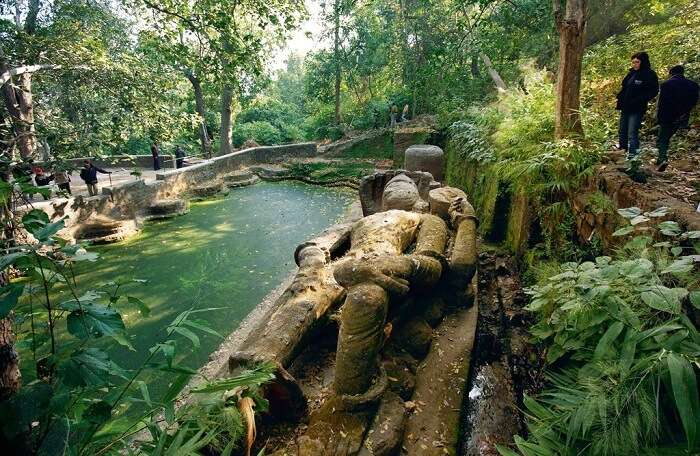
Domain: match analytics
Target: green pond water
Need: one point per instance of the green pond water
(226, 253)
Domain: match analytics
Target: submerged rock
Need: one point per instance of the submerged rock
(206, 190)
(166, 208)
(103, 230)
(240, 178)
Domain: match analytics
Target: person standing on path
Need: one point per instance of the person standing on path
(394, 113)
(404, 114)
(677, 97)
(639, 87)
(156, 156)
(179, 157)
(62, 179)
(89, 175)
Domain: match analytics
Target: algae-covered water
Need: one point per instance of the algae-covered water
(226, 253)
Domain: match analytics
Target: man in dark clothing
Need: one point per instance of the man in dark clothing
(156, 156)
(639, 87)
(89, 175)
(179, 157)
(677, 98)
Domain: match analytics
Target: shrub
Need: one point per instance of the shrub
(622, 352)
(263, 133)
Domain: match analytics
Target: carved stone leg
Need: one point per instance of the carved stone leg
(361, 335)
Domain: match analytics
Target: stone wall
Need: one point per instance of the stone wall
(130, 200)
(123, 161)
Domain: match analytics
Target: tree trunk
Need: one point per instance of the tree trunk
(572, 43)
(202, 111)
(336, 58)
(225, 130)
(497, 80)
(10, 378)
(474, 66)
(17, 94)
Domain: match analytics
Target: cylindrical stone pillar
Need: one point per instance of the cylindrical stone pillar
(424, 157)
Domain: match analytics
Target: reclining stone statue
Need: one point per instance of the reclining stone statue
(399, 249)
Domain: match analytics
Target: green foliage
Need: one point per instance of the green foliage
(623, 355)
(331, 171)
(74, 398)
(665, 29)
(508, 147)
(263, 133)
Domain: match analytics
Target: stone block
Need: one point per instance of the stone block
(427, 158)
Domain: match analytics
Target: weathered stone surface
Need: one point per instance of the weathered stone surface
(333, 431)
(441, 198)
(434, 311)
(386, 431)
(103, 230)
(400, 193)
(432, 429)
(372, 188)
(423, 157)
(240, 178)
(166, 208)
(400, 372)
(415, 336)
(206, 190)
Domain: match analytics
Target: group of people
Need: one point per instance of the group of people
(677, 97)
(179, 156)
(394, 113)
(62, 177)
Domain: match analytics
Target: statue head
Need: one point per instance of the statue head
(401, 192)
(309, 253)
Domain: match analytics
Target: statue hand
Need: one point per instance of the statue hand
(389, 273)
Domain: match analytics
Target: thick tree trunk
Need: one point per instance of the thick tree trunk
(336, 57)
(17, 95)
(497, 80)
(225, 130)
(572, 43)
(202, 111)
(10, 378)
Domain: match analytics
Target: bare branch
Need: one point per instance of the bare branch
(6, 76)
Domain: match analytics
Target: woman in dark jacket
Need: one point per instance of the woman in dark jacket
(640, 86)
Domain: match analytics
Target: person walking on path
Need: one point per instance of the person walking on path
(179, 157)
(43, 180)
(155, 152)
(62, 179)
(639, 87)
(89, 175)
(404, 114)
(393, 112)
(677, 97)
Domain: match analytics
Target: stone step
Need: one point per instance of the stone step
(253, 179)
(242, 175)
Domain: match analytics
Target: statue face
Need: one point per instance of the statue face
(312, 254)
(400, 193)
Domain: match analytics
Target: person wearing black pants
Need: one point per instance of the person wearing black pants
(677, 98)
(639, 87)
(156, 156)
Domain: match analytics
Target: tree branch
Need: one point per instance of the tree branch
(7, 75)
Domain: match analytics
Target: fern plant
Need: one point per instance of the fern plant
(622, 353)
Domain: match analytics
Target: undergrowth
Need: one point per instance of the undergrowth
(622, 352)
